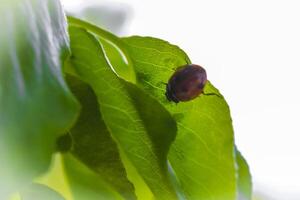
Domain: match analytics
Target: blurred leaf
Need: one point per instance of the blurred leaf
(202, 154)
(244, 178)
(38, 192)
(128, 114)
(35, 103)
(93, 144)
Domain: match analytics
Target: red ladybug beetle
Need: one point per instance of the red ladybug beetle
(186, 83)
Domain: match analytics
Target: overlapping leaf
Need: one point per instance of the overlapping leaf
(128, 114)
(203, 154)
(92, 143)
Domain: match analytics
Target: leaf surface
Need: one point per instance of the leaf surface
(202, 155)
(128, 114)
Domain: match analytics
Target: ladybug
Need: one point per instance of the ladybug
(186, 83)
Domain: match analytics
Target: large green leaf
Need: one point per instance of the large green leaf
(142, 128)
(93, 144)
(244, 178)
(202, 155)
(35, 103)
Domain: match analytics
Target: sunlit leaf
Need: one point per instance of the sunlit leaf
(128, 113)
(202, 155)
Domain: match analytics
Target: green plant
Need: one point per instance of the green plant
(96, 104)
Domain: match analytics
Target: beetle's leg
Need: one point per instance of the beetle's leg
(163, 83)
(212, 94)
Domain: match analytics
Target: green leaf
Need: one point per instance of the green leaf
(38, 192)
(244, 178)
(35, 103)
(142, 128)
(93, 144)
(202, 155)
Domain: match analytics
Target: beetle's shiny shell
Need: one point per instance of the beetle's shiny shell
(186, 83)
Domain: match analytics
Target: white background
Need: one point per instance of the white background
(251, 50)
